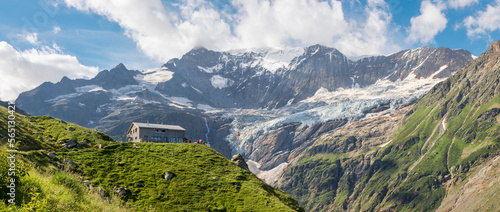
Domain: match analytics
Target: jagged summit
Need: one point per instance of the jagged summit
(120, 67)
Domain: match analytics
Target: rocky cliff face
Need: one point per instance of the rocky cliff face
(444, 149)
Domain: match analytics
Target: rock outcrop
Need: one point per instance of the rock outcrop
(240, 161)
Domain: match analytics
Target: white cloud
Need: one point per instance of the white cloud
(163, 33)
(159, 33)
(56, 29)
(461, 3)
(372, 38)
(24, 70)
(483, 21)
(30, 37)
(263, 23)
(428, 24)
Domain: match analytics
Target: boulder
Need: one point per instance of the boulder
(237, 185)
(69, 162)
(169, 176)
(121, 191)
(51, 155)
(70, 145)
(102, 192)
(83, 144)
(87, 182)
(71, 129)
(240, 161)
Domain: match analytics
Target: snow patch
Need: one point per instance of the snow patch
(205, 107)
(66, 96)
(79, 91)
(155, 76)
(89, 88)
(442, 68)
(196, 89)
(220, 82)
(212, 69)
(270, 59)
(180, 100)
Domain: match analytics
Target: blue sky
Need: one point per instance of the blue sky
(43, 40)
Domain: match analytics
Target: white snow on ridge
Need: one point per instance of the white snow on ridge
(275, 59)
(442, 68)
(79, 91)
(89, 88)
(155, 76)
(212, 69)
(181, 101)
(66, 96)
(269, 58)
(220, 82)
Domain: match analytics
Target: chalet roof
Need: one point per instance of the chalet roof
(159, 126)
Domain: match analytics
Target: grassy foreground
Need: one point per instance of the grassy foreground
(83, 178)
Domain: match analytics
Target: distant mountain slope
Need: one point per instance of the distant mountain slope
(451, 132)
(202, 178)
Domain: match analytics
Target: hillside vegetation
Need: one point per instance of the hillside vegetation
(88, 165)
(439, 145)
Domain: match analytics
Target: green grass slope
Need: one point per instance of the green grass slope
(452, 129)
(203, 179)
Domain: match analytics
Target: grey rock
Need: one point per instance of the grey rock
(169, 176)
(87, 182)
(102, 192)
(51, 155)
(69, 162)
(121, 191)
(71, 129)
(240, 161)
(70, 145)
(237, 185)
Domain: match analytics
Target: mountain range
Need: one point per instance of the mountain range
(216, 94)
(378, 133)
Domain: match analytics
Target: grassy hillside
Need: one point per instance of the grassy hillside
(202, 178)
(451, 130)
(40, 186)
